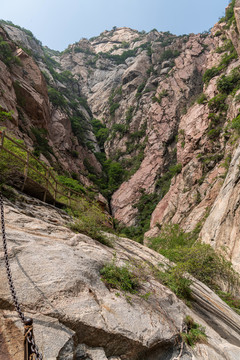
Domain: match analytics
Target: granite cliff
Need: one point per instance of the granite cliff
(150, 123)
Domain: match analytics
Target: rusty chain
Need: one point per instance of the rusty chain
(25, 321)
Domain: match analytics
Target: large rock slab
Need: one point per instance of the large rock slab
(57, 279)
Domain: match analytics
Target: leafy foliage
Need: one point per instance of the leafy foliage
(236, 124)
(119, 59)
(163, 184)
(158, 98)
(56, 98)
(202, 99)
(41, 145)
(4, 115)
(200, 260)
(6, 53)
(229, 14)
(227, 57)
(169, 54)
(226, 84)
(119, 278)
(71, 183)
(101, 132)
(217, 103)
(90, 220)
(194, 332)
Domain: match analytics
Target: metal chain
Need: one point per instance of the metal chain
(24, 320)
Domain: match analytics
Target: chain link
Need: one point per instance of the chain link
(30, 337)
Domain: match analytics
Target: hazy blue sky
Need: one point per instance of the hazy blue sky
(58, 23)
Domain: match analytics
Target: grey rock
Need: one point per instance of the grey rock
(56, 273)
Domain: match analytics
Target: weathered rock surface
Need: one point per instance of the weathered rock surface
(221, 229)
(57, 278)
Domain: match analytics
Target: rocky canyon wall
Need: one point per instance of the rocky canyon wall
(167, 105)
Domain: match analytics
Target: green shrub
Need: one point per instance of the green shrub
(202, 99)
(172, 237)
(229, 14)
(236, 124)
(163, 184)
(228, 46)
(230, 299)
(169, 54)
(217, 103)
(140, 89)
(56, 98)
(119, 59)
(195, 333)
(119, 278)
(199, 260)
(210, 73)
(78, 126)
(115, 174)
(160, 96)
(113, 108)
(101, 132)
(129, 114)
(90, 220)
(41, 145)
(6, 53)
(71, 183)
(121, 128)
(214, 133)
(4, 115)
(10, 165)
(225, 61)
(226, 84)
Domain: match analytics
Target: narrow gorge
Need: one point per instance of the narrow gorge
(146, 127)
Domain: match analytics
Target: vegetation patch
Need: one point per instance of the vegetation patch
(169, 54)
(120, 278)
(163, 184)
(41, 145)
(230, 83)
(56, 98)
(140, 89)
(236, 124)
(100, 131)
(229, 14)
(6, 54)
(119, 59)
(194, 332)
(195, 258)
(90, 220)
(158, 98)
(5, 115)
(202, 99)
(227, 57)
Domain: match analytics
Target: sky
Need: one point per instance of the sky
(58, 23)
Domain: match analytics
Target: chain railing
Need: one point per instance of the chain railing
(30, 347)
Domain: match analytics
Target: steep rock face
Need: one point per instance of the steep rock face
(143, 88)
(221, 229)
(143, 96)
(162, 123)
(25, 93)
(57, 278)
(207, 187)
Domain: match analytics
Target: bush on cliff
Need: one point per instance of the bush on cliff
(195, 258)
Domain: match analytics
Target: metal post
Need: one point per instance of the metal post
(25, 172)
(55, 194)
(28, 327)
(46, 189)
(69, 198)
(2, 133)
